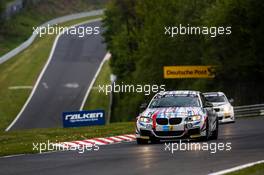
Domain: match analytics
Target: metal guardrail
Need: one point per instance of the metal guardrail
(28, 42)
(249, 110)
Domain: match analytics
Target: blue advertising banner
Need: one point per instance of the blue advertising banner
(83, 118)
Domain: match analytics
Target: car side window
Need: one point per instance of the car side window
(203, 99)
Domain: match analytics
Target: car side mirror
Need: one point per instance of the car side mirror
(231, 100)
(143, 106)
(208, 105)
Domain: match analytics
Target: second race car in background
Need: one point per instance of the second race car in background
(222, 106)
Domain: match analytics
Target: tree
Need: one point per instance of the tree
(239, 57)
(2, 7)
(135, 36)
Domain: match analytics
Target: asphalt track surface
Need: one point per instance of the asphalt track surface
(246, 136)
(65, 81)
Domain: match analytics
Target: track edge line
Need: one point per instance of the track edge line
(240, 167)
(106, 57)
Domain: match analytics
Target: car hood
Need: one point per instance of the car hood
(172, 112)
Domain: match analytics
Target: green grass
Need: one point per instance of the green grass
(96, 99)
(18, 142)
(254, 170)
(23, 70)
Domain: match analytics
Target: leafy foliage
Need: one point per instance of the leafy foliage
(135, 36)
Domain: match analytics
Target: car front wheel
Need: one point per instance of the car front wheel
(215, 132)
(154, 140)
(207, 131)
(142, 141)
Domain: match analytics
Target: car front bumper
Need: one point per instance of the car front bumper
(225, 117)
(182, 130)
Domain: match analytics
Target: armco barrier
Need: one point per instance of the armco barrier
(249, 110)
(27, 43)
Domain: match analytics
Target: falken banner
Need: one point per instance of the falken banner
(83, 118)
(189, 71)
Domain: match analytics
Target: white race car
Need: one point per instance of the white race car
(222, 106)
(176, 114)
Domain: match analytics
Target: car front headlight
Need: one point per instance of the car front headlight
(145, 119)
(194, 118)
(227, 109)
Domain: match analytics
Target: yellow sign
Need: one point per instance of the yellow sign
(189, 72)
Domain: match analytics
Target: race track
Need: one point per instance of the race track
(63, 87)
(65, 82)
(246, 137)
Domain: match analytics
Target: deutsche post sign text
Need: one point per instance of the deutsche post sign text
(189, 72)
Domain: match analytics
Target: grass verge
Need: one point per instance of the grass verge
(18, 142)
(254, 170)
(23, 70)
(96, 99)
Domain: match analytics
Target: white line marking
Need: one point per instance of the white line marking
(105, 140)
(237, 168)
(125, 138)
(107, 57)
(131, 135)
(116, 139)
(16, 155)
(96, 142)
(45, 85)
(36, 84)
(43, 71)
(19, 87)
(71, 85)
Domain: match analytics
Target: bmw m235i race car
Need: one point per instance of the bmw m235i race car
(222, 106)
(176, 114)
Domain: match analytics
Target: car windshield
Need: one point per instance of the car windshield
(175, 101)
(216, 99)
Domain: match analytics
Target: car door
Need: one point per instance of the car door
(210, 113)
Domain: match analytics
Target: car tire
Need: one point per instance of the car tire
(154, 140)
(215, 132)
(234, 121)
(207, 135)
(142, 141)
